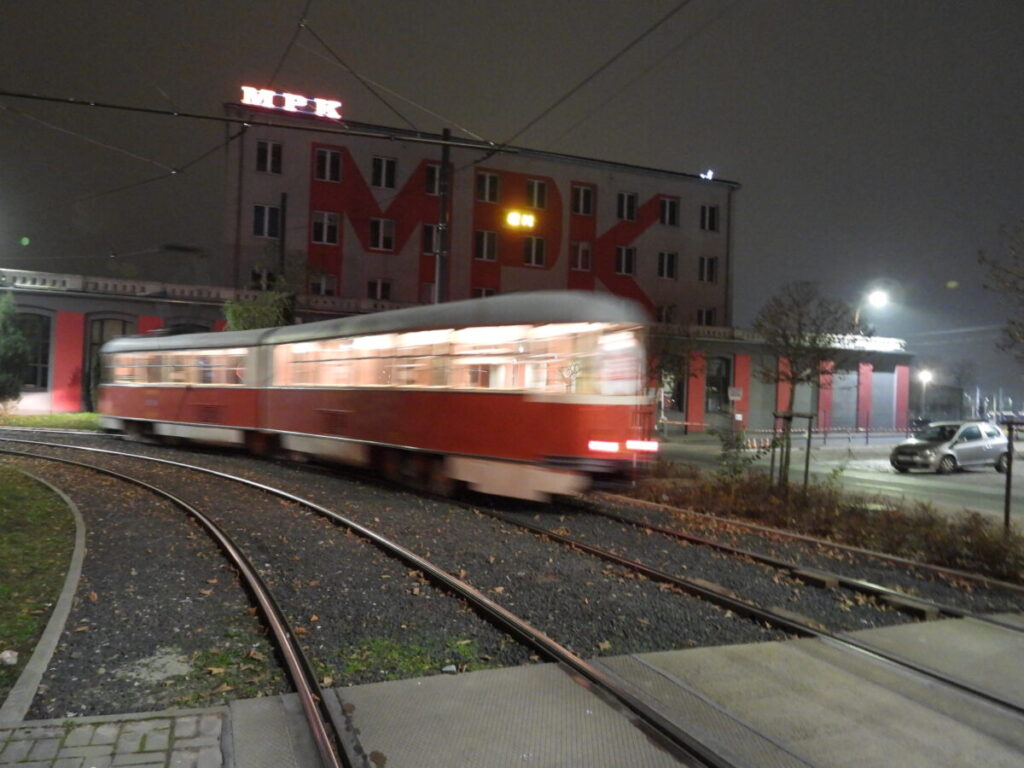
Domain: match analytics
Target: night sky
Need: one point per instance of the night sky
(875, 141)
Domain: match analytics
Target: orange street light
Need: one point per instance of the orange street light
(520, 220)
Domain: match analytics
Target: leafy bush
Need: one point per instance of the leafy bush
(965, 541)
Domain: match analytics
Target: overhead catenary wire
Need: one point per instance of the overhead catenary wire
(89, 139)
(582, 83)
(671, 52)
(360, 78)
(291, 42)
(445, 120)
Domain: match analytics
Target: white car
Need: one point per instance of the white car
(946, 446)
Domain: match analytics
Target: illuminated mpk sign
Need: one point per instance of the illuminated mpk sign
(291, 102)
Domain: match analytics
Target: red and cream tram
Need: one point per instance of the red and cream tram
(522, 394)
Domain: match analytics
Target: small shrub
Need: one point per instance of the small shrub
(965, 541)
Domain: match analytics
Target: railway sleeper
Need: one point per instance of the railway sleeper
(909, 605)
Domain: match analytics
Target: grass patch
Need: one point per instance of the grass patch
(389, 659)
(965, 541)
(36, 540)
(242, 666)
(83, 420)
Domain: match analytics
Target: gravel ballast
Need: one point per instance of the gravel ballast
(164, 598)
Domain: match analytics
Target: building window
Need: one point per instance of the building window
(432, 183)
(707, 269)
(430, 238)
(625, 261)
(665, 314)
(261, 279)
(328, 165)
(536, 193)
(487, 187)
(709, 218)
(268, 157)
(716, 386)
(533, 251)
(382, 234)
(266, 221)
(583, 200)
(579, 252)
(324, 285)
(485, 245)
(626, 207)
(667, 265)
(325, 227)
(36, 330)
(383, 172)
(706, 316)
(379, 289)
(483, 293)
(670, 211)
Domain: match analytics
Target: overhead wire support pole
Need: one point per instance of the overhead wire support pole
(444, 219)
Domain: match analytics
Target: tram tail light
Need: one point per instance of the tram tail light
(650, 446)
(603, 446)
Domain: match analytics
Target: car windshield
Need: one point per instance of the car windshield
(938, 433)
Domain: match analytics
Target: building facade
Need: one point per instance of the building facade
(359, 215)
(67, 318)
(729, 386)
(354, 218)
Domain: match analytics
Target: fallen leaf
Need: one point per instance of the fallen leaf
(498, 590)
(254, 654)
(313, 583)
(223, 688)
(314, 617)
(328, 681)
(211, 581)
(205, 591)
(301, 631)
(216, 671)
(604, 645)
(93, 597)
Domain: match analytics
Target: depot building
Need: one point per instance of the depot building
(354, 218)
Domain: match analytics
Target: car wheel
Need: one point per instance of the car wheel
(947, 465)
(1002, 463)
(902, 470)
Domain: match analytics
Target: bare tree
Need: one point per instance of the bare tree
(805, 332)
(1006, 276)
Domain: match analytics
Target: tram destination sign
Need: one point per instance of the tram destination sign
(291, 102)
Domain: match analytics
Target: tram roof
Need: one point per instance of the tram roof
(524, 308)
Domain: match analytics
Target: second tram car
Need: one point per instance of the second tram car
(523, 394)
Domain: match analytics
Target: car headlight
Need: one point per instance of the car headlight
(929, 455)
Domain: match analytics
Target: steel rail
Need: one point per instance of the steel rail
(681, 743)
(856, 585)
(751, 610)
(953, 572)
(300, 670)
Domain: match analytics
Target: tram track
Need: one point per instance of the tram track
(785, 620)
(674, 738)
(327, 733)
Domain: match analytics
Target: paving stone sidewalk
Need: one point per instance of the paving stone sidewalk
(181, 740)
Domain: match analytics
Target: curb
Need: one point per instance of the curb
(24, 691)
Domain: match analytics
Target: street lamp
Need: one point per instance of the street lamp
(876, 299)
(924, 377)
(520, 219)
